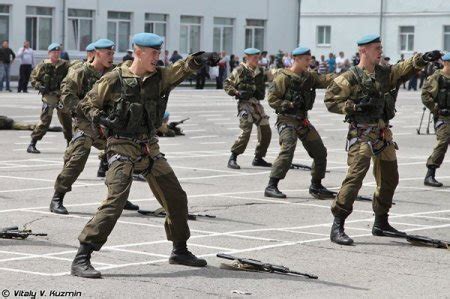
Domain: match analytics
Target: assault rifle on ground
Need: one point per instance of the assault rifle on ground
(14, 233)
(255, 265)
(419, 240)
(162, 213)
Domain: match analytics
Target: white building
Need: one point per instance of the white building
(405, 26)
(187, 26)
(232, 25)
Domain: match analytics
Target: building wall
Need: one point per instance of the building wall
(351, 19)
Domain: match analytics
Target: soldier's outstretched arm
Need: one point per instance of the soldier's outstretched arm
(323, 80)
(402, 71)
(276, 92)
(229, 85)
(337, 95)
(70, 89)
(176, 73)
(98, 97)
(429, 92)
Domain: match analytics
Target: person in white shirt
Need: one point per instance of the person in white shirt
(342, 63)
(26, 55)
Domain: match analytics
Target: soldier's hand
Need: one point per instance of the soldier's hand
(209, 58)
(432, 56)
(444, 112)
(349, 107)
(102, 119)
(42, 90)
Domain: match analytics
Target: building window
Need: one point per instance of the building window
(80, 24)
(156, 23)
(223, 35)
(323, 36)
(119, 28)
(39, 26)
(407, 38)
(254, 34)
(4, 22)
(190, 32)
(447, 38)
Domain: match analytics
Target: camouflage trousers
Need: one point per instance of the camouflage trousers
(443, 140)
(46, 118)
(289, 133)
(75, 158)
(385, 171)
(249, 114)
(163, 184)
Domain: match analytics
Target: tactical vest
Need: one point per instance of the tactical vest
(138, 111)
(382, 99)
(52, 76)
(90, 77)
(300, 91)
(255, 86)
(443, 96)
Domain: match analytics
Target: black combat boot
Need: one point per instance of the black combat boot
(182, 256)
(381, 224)
(56, 205)
(232, 162)
(337, 234)
(32, 147)
(272, 189)
(429, 178)
(81, 265)
(102, 168)
(131, 206)
(259, 161)
(317, 190)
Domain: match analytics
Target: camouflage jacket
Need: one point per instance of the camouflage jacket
(48, 76)
(434, 93)
(347, 90)
(289, 89)
(121, 88)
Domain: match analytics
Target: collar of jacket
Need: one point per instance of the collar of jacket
(126, 72)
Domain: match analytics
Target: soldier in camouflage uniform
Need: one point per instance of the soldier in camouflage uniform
(436, 97)
(247, 84)
(292, 94)
(73, 89)
(130, 102)
(90, 55)
(47, 78)
(366, 95)
(7, 123)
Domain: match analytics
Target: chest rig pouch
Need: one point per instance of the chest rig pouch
(250, 86)
(131, 115)
(382, 104)
(443, 96)
(301, 93)
(53, 76)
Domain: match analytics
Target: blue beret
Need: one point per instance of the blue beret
(301, 51)
(166, 115)
(252, 51)
(90, 47)
(368, 39)
(446, 57)
(149, 40)
(104, 43)
(54, 47)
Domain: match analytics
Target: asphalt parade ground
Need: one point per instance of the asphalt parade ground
(293, 232)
